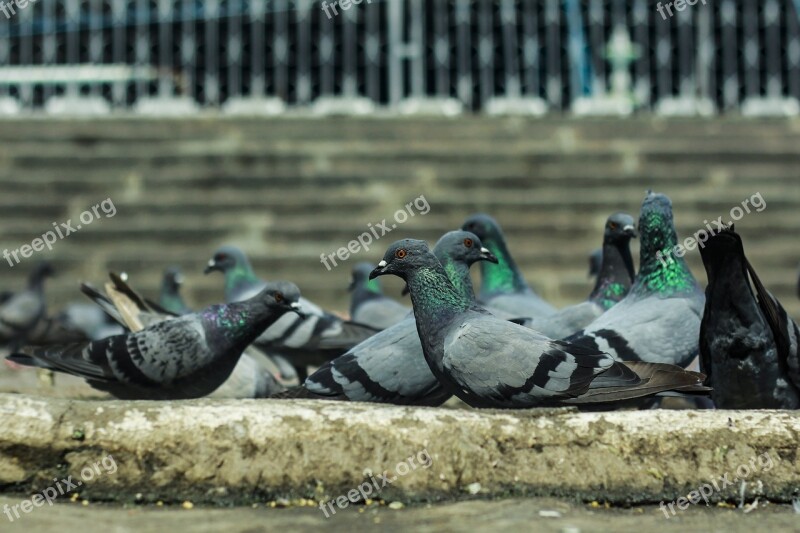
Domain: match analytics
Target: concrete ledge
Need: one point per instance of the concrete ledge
(245, 451)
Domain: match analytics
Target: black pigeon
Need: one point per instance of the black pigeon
(390, 367)
(368, 304)
(613, 282)
(312, 338)
(748, 344)
(490, 362)
(659, 320)
(503, 288)
(186, 357)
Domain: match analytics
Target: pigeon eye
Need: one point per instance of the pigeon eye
(220, 257)
(612, 225)
(400, 254)
(468, 242)
(278, 297)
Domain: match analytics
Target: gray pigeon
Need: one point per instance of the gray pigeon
(390, 367)
(503, 288)
(489, 362)
(368, 304)
(748, 344)
(613, 282)
(21, 312)
(186, 357)
(89, 319)
(659, 320)
(312, 338)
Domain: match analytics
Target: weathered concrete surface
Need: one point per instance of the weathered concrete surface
(246, 451)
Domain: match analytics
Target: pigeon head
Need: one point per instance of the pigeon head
(484, 226)
(402, 257)
(656, 226)
(464, 247)
(279, 295)
(620, 228)
(360, 277)
(173, 279)
(227, 258)
(40, 271)
(722, 248)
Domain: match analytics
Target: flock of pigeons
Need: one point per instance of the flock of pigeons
(630, 342)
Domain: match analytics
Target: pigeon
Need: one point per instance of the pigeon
(186, 357)
(90, 320)
(314, 338)
(489, 362)
(613, 282)
(256, 375)
(595, 260)
(502, 286)
(170, 297)
(390, 367)
(368, 305)
(748, 344)
(23, 315)
(659, 319)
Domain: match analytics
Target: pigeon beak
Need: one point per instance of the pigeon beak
(379, 270)
(211, 267)
(486, 255)
(630, 231)
(295, 306)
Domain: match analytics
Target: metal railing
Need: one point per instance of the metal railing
(559, 52)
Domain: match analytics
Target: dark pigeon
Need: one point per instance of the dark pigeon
(748, 344)
(182, 358)
(659, 320)
(489, 362)
(390, 367)
(503, 288)
(368, 304)
(170, 297)
(613, 282)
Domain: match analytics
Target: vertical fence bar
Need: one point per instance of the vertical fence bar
(772, 49)
(372, 53)
(304, 75)
(73, 20)
(441, 48)
(96, 41)
(416, 48)
(641, 36)
(752, 49)
(142, 45)
(485, 51)
(118, 88)
(257, 23)
(211, 88)
(280, 49)
(664, 52)
(706, 83)
(165, 16)
(234, 11)
(792, 48)
(686, 52)
(327, 58)
(554, 78)
(730, 71)
(189, 48)
(5, 51)
(531, 48)
(508, 18)
(395, 22)
(350, 51)
(597, 36)
(24, 22)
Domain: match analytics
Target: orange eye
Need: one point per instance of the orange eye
(468, 242)
(612, 225)
(400, 254)
(278, 297)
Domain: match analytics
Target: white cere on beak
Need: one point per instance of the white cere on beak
(211, 262)
(382, 264)
(295, 305)
(123, 276)
(628, 227)
(484, 250)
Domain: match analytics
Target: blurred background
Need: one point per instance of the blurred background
(287, 127)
